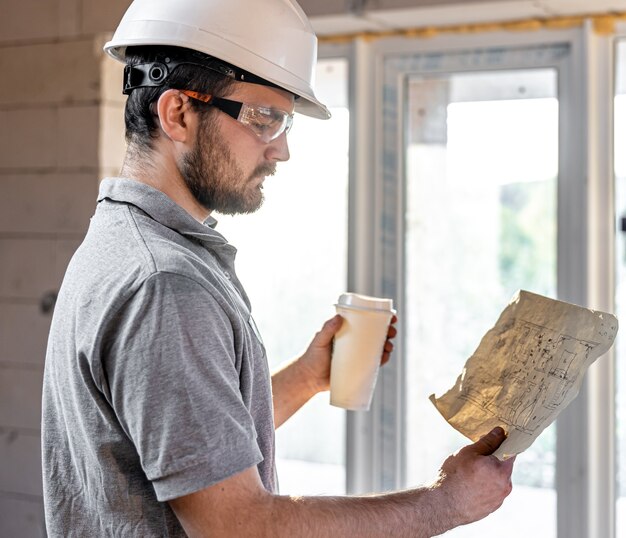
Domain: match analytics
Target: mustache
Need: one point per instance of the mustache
(268, 169)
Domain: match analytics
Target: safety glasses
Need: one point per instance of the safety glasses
(267, 123)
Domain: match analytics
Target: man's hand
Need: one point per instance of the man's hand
(317, 358)
(299, 381)
(474, 482)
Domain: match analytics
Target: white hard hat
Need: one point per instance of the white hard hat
(271, 39)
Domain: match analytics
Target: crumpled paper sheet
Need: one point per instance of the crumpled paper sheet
(526, 370)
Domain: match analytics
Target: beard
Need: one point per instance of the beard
(215, 179)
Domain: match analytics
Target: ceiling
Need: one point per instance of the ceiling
(347, 16)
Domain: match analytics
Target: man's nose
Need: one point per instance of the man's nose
(278, 149)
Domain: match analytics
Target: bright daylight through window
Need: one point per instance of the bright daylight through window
(482, 163)
(292, 259)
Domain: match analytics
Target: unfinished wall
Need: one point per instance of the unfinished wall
(60, 118)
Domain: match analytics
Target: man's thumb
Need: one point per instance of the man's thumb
(329, 330)
(489, 443)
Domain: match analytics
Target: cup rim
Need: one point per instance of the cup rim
(364, 309)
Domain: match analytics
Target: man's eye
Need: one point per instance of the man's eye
(263, 122)
(262, 119)
(262, 126)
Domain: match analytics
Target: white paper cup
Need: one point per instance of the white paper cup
(358, 349)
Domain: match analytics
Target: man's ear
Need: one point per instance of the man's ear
(175, 113)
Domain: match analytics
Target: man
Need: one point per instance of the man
(158, 407)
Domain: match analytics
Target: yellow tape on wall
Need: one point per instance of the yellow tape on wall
(602, 24)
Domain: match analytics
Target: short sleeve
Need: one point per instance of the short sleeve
(172, 371)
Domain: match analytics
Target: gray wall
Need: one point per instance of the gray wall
(54, 112)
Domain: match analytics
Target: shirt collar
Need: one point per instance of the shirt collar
(160, 207)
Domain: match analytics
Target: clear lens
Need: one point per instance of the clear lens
(267, 123)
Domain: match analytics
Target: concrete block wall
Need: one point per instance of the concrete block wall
(62, 129)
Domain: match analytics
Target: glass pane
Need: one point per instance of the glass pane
(482, 161)
(620, 200)
(292, 257)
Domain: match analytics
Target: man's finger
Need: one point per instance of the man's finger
(329, 330)
(489, 443)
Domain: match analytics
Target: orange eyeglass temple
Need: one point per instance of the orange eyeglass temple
(195, 95)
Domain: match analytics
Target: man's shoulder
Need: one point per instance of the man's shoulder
(125, 260)
(125, 247)
(127, 236)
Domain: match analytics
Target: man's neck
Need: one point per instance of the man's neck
(161, 172)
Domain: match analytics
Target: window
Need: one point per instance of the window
(493, 173)
(292, 260)
(482, 163)
(474, 170)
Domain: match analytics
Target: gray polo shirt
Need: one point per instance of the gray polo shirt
(156, 382)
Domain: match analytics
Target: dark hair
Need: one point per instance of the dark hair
(139, 114)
